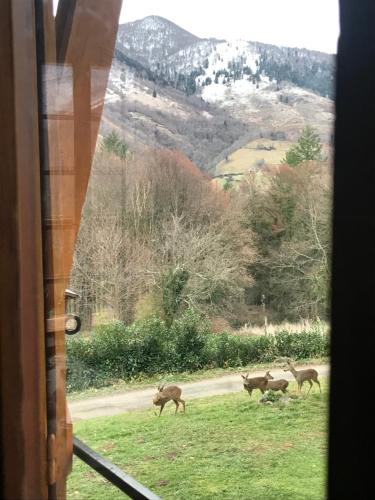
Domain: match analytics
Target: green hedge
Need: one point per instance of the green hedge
(116, 351)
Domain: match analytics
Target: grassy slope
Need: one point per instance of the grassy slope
(223, 447)
(246, 157)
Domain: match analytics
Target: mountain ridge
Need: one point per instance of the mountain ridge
(209, 97)
(162, 20)
(175, 56)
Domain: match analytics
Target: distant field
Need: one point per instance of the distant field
(248, 156)
(233, 182)
(223, 447)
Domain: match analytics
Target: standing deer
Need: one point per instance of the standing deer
(254, 383)
(276, 385)
(302, 376)
(165, 394)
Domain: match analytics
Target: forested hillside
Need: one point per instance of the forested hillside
(159, 236)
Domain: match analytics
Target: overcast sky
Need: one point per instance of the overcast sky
(312, 24)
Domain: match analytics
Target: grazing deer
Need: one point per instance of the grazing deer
(302, 376)
(254, 383)
(276, 385)
(165, 394)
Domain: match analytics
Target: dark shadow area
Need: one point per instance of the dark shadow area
(351, 421)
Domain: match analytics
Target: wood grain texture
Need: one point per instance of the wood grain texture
(22, 348)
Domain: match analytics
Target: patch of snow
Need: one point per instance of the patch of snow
(234, 51)
(214, 93)
(237, 90)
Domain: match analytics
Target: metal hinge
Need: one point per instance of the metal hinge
(51, 458)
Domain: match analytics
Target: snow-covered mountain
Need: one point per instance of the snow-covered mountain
(152, 39)
(170, 88)
(172, 55)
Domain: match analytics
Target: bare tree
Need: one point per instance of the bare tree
(145, 217)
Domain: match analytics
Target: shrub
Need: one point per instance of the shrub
(189, 334)
(270, 397)
(222, 350)
(117, 351)
(302, 344)
(231, 350)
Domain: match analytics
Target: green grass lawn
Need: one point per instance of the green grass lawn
(226, 447)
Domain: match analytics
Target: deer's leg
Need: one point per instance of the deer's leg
(311, 384)
(161, 409)
(183, 403)
(176, 403)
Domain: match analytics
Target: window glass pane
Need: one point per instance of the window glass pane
(203, 253)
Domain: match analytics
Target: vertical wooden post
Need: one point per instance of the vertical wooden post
(23, 440)
(75, 60)
(49, 142)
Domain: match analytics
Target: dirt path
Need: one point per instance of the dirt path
(114, 404)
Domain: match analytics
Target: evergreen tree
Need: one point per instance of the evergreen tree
(113, 143)
(228, 184)
(308, 147)
(174, 284)
(191, 86)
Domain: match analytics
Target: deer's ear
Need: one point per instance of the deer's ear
(243, 376)
(161, 387)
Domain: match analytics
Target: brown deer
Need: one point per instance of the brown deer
(276, 385)
(250, 384)
(165, 394)
(302, 376)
